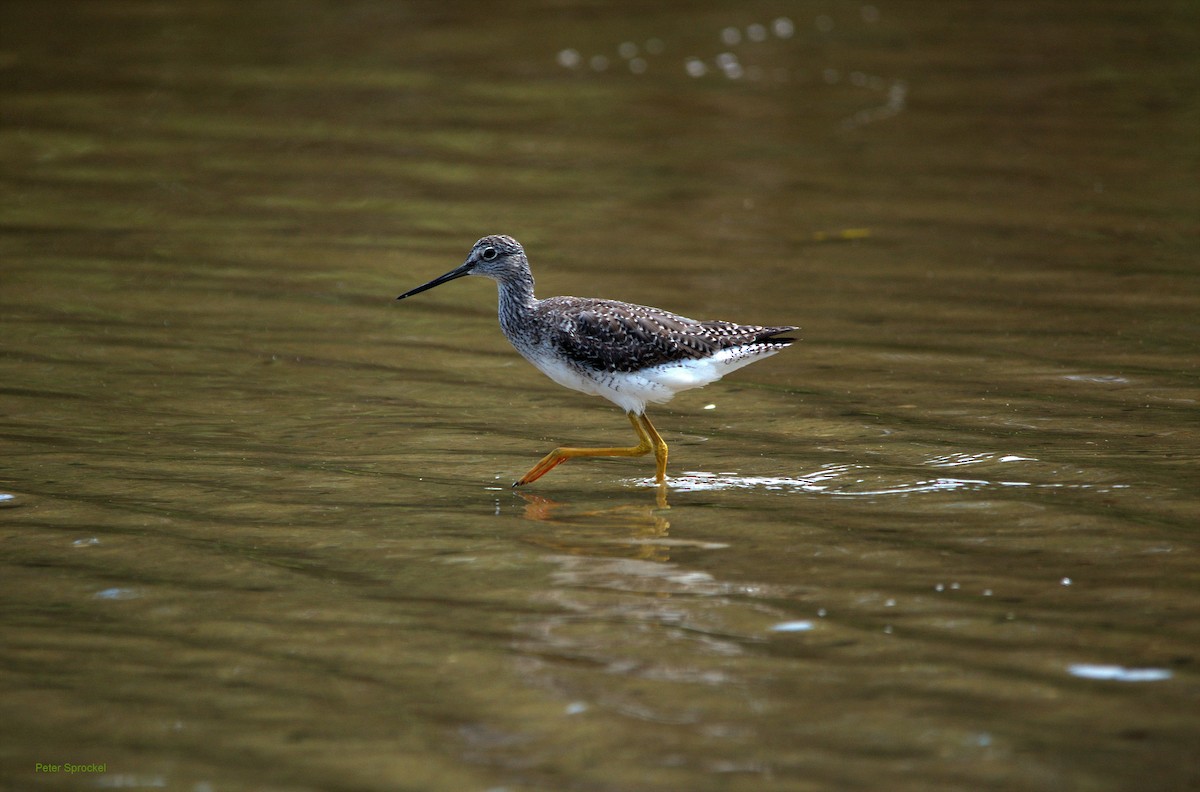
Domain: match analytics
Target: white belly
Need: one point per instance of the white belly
(631, 390)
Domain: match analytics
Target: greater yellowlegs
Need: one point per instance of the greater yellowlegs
(629, 354)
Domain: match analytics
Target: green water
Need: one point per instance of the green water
(256, 524)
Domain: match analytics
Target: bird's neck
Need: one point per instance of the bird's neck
(516, 300)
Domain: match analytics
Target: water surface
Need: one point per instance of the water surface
(256, 517)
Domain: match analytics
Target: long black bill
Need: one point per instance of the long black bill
(453, 274)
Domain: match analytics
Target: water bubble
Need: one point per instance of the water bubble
(638, 54)
(728, 63)
(569, 59)
(1066, 581)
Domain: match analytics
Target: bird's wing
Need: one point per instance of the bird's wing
(607, 335)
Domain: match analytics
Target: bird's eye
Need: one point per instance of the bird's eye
(489, 254)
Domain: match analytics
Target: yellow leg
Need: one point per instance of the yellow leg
(660, 449)
(648, 440)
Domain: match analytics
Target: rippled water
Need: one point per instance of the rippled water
(257, 525)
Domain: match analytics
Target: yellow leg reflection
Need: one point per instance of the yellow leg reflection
(623, 531)
(648, 440)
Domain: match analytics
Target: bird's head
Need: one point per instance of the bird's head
(498, 257)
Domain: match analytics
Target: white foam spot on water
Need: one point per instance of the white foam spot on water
(1116, 673)
(860, 481)
(115, 594)
(1098, 379)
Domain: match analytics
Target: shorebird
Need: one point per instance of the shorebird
(629, 354)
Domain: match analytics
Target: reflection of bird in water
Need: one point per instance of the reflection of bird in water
(629, 354)
(630, 531)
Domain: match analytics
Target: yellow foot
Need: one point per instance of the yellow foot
(648, 439)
